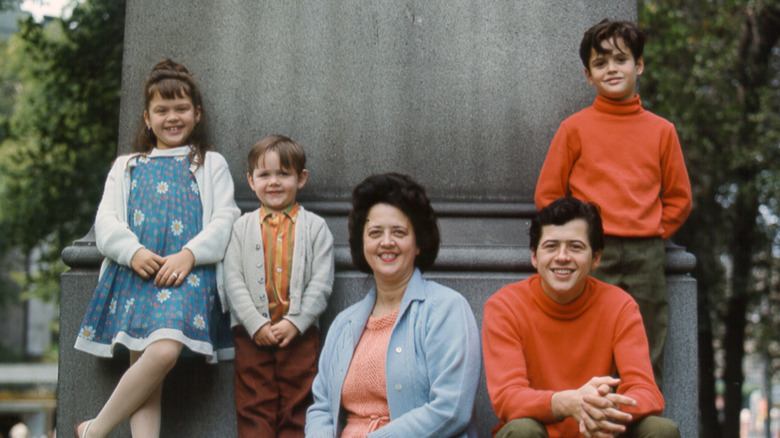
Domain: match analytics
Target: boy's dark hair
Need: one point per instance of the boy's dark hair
(564, 210)
(405, 194)
(171, 79)
(633, 38)
(291, 154)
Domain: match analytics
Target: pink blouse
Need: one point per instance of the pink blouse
(364, 394)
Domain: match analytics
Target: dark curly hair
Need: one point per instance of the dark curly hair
(606, 29)
(564, 210)
(405, 194)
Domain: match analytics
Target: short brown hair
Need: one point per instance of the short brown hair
(291, 154)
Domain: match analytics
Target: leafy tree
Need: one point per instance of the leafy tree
(712, 68)
(8, 4)
(62, 134)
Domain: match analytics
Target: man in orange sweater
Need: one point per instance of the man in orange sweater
(554, 343)
(629, 162)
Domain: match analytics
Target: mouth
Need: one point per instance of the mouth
(562, 272)
(613, 81)
(387, 257)
(173, 129)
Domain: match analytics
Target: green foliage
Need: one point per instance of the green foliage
(713, 68)
(6, 5)
(62, 133)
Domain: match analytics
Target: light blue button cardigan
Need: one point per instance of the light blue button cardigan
(432, 367)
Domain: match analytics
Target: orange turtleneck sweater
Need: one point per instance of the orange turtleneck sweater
(625, 159)
(534, 347)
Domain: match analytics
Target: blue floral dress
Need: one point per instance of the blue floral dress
(165, 212)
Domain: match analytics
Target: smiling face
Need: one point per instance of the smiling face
(275, 187)
(171, 120)
(564, 259)
(614, 73)
(389, 244)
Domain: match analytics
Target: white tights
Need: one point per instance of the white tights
(138, 394)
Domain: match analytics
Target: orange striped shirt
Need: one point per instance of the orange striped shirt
(278, 230)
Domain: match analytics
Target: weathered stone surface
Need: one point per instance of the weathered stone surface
(463, 96)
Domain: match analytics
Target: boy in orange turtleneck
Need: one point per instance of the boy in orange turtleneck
(629, 162)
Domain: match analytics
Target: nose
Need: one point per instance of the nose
(387, 240)
(562, 254)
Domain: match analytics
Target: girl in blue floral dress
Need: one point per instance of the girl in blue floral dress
(163, 225)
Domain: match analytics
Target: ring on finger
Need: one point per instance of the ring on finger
(175, 275)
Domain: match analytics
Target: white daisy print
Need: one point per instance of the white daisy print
(112, 306)
(162, 188)
(87, 332)
(163, 295)
(138, 217)
(177, 227)
(199, 322)
(180, 158)
(144, 159)
(193, 280)
(134, 184)
(129, 304)
(194, 187)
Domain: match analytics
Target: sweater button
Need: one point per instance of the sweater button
(398, 350)
(261, 280)
(398, 387)
(257, 247)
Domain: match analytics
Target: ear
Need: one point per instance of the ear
(197, 115)
(302, 177)
(588, 76)
(146, 120)
(594, 263)
(249, 178)
(534, 261)
(640, 65)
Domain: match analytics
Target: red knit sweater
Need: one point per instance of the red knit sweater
(626, 160)
(534, 347)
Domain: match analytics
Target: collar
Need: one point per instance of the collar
(562, 311)
(617, 107)
(171, 152)
(291, 212)
(415, 291)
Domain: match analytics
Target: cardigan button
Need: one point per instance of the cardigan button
(398, 349)
(257, 247)
(261, 280)
(398, 387)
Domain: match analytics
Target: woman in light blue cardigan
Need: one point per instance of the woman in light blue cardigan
(432, 359)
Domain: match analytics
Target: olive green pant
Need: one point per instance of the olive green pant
(636, 265)
(648, 427)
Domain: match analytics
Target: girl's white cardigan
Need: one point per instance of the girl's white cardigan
(117, 242)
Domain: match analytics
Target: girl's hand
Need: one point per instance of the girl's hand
(285, 332)
(175, 269)
(146, 263)
(265, 337)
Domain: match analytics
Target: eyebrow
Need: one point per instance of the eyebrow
(564, 241)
